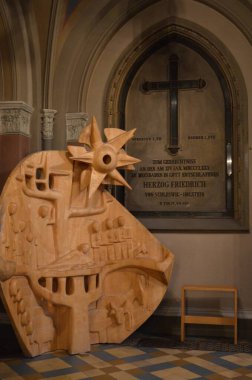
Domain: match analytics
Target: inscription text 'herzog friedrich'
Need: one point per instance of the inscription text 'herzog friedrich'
(179, 184)
(173, 184)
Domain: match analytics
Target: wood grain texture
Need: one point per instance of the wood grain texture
(208, 320)
(76, 268)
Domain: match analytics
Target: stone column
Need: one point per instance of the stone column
(47, 118)
(74, 124)
(15, 117)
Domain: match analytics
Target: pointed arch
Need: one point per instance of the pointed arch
(235, 100)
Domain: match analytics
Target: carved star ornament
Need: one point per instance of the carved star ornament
(102, 159)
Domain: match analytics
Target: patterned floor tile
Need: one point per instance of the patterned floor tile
(109, 362)
(126, 366)
(223, 362)
(176, 373)
(104, 377)
(48, 364)
(240, 359)
(172, 351)
(73, 376)
(95, 362)
(124, 351)
(216, 376)
(205, 364)
(243, 370)
(120, 375)
(7, 372)
(197, 352)
(201, 371)
(230, 374)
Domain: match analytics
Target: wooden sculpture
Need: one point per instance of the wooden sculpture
(76, 268)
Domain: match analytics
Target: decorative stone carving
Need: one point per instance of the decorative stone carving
(76, 268)
(74, 124)
(15, 118)
(47, 116)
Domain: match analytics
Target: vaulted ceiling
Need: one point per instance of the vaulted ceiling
(61, 54)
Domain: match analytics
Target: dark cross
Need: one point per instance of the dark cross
(173, 85)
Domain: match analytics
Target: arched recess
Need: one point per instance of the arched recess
(235, 215)
(21, 60)
(7, 57)
(18, 85)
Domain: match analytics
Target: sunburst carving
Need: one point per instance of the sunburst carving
(103, 159)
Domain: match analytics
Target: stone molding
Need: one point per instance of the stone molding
(215, 49)
(74, 124)
(15, 117)
(47, 116)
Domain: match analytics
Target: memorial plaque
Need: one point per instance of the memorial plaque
(182, 138)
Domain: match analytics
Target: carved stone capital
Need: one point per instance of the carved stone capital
(74, 124)
(15, 117)
(47, 116)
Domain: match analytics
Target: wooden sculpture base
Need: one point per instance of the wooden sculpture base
(75, 269)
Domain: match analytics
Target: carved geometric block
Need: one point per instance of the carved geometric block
(76, 268)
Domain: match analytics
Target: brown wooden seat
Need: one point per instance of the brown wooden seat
(207, 320)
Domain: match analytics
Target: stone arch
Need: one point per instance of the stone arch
(231, 81)
(21, 60)
(19, 45)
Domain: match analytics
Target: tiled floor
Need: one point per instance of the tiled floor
(124, 362)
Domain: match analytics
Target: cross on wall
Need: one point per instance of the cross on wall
(173, 85)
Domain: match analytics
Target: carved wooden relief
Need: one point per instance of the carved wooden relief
(76, 268)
